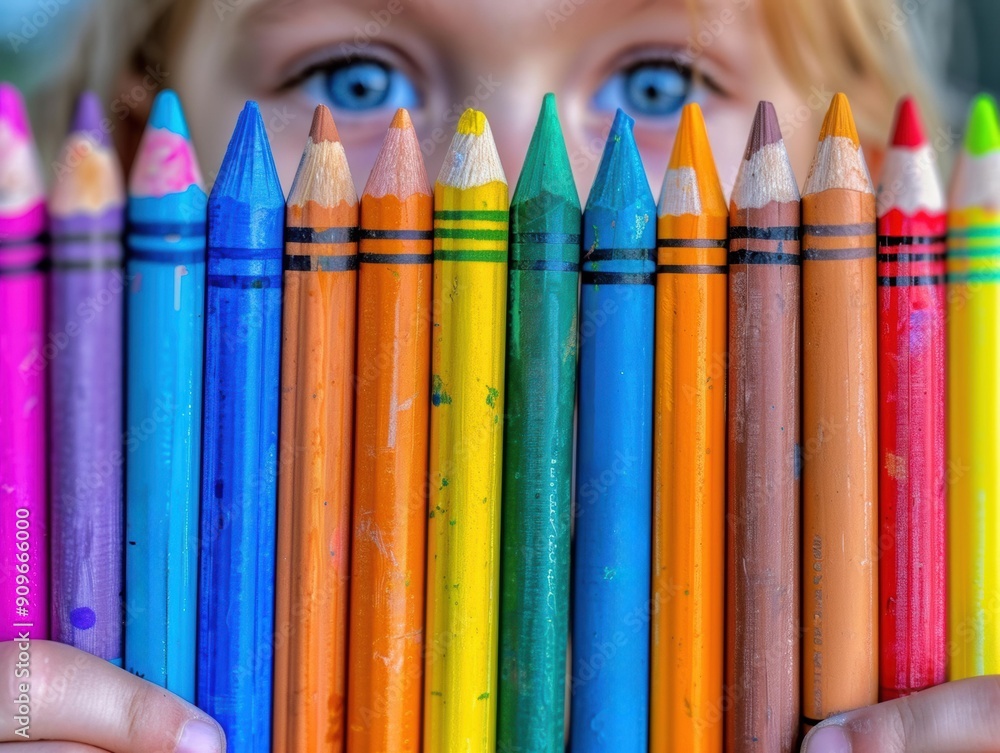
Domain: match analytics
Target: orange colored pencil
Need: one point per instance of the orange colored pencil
(390, 468)
(314, 483)
(839, 429)
(689, 449)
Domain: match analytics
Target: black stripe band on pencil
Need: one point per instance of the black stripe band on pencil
(542, 265)
(838, 254)
(778, 233)
(32, 240)
(397, 235)
(692, 269)
(329, 235)
(164, 229)
(342, 263)
(551, 239)
(74, 264)
(691, 243)
(246, 282)
(618, 278)
(366, 258)
(911, 240)
(763, 257)
(914, 281)
(940, 257)
(168, 257)
(98, 237)
(836, 231)
(619, 254)
(14, 270)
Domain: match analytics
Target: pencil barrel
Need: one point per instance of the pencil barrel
(86, 457)
(239, 489)
(538, 464)
(166, 296)
(839, 456)
(390, 475)
(467, 408)
(689, 485)
(24, 362)
(911, 325)
(973, 415)
(611, 580)
(763, 618)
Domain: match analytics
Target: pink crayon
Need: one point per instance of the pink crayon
(23, 359)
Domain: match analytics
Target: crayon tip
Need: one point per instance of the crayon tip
(909, 130)
(839, 121)
(472, 122)
(168, 115)
(982, 135)
(248, 173)
(765, 129)
(323, 128)
(401, 120)
(546, 163)
(88, 116)
(621, 178)
(13, 111)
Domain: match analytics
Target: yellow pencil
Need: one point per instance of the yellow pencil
(973, 401)
(467, 382)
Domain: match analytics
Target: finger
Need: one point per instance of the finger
(55, 747)
(65, 694)
(957, 716)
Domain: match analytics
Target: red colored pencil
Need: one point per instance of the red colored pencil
(911, 376)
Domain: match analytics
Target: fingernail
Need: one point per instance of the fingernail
(832, 739)
(199, 737)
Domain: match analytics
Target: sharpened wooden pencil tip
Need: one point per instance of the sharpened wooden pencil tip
(909, 130)
(765, 129)
(982, 135)
(401, 119)
(472, 122)
(323, 128)
(839, 120)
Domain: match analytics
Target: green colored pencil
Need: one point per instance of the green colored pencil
(538, 452)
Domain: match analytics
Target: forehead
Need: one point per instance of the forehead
(454, 14)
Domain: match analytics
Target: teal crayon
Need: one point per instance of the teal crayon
(165, 326)
(542, 314)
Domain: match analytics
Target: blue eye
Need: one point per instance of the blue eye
(652, 90)
(362, 85)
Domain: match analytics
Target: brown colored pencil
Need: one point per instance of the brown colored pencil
(762, 662)
(840, 647)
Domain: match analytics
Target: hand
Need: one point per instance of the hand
(957, 716)
(77, 703)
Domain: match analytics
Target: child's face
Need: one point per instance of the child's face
(365, 58)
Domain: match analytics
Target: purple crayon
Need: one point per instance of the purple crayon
(85, 325)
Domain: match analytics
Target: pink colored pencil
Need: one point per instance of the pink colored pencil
(24, 601)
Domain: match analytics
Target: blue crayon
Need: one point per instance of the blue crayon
(246, 213)
(611, 577)
(166, 335)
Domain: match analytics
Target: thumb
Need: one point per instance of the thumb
(58, 693)
(957, 716)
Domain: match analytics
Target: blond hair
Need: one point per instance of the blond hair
(867, 49)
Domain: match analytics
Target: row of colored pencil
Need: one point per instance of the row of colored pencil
(753, 545)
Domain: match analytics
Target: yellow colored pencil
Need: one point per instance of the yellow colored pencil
(468, 343)
(973, 401)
